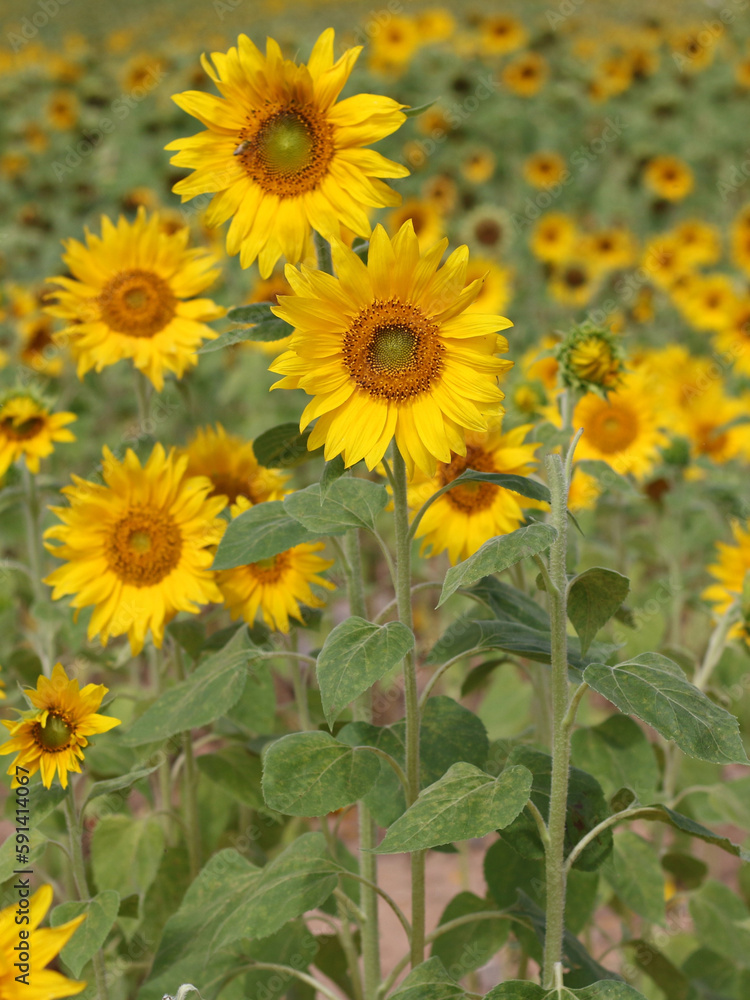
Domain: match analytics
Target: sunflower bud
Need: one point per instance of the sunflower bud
(590, 359)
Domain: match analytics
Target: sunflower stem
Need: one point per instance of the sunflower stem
(323, 253)
(189, 786)
(411, 695)
(33, 537)
(554, 849)
(143, 399)
(75, 831)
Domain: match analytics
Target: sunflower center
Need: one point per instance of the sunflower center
(488, 232)
(21, 432)
(575, 277)
(267, 571)
(469, 498)
(144, 546)
(229, 486)
(392, 350)
(286, 149)
(614, 430)
(55, 735)
(137, 303)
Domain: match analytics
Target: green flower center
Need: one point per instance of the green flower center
(55, 734)
(393, 348)
(285, 144)
(140, 541)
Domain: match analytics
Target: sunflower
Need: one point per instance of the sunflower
(63, 110)
(131, 296)
(497, 289)
(573, 282)
(442, 192)
(38, 349)
(700, 242)
(584, 491)
(394, 44)
(669, 177)
(553, 237)
(526, 74)
(478, 166)
(277, 586)
(51, 738)
(742, 72)
(29, 430)
(388, 349)
(282, 155)
(710, 425)
(46, 943)
(501, 33)
(138, 547)
(693, 49)
(2, 691)
(424, 216)
(467, 516)
(733, 340)
(731, 573)
(664, 260)
(435, 24)
(623, 429)
(230, 463)
(710, 302)
(608, 249)
(543, 169)
(487, 229)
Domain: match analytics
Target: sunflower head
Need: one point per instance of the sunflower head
(51, 736)
(230, 463)
(28, 429)
(590, 359)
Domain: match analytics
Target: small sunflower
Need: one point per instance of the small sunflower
(276, 586)
(230, 463)
(388, 349)
(394, 44)
(51, 737)
(608, 249)
(63, 110)
(668, 177)
(426, 218)
(732, 575)
(573, 282)
(710, 302)
(526, 74)
(554, 236)
(29, 430)
(733, 340)
(487, 229)
(478, 166)
(38, 349)
(467, 516)
(711, 425)
(540, 364)
(693, 48)
(700, 242)
(138, 547)
(131, 296)
(623, 429)
(664, 260)
(442, 192)
(281, 154)
(590, 359)
(46, 944)
(543, 169)
(501, 33)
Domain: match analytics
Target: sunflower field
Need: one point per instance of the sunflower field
(424, 676)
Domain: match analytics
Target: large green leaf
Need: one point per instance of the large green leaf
(122, 784)
(517, 989)
(593, 597)
(662, 814)
(510, 604)
(429, 981)
(721, 921)
(355, 655)
(101, 913)
(208, 693)
(498, 554)
(259, 533)
(237, 772)
(471, 945)
(586, 808)
(508, 481)
(660, 970)
(348, 503)
(449, 733)
(655, 689)
(255, 312)
(126, 852)
(312, 774)
(636, 876)
(619, 755)
(465, 803)
(283, 447)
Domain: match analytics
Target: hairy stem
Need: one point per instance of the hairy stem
(190, 787)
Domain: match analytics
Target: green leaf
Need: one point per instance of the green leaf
(670, 980)
(429, 981)
(283, 447)
(687, 871)
(510, 604)
(349, 503)
(237, 772)
(713, 977)
(517, 989)
(312, 774)
(121, 784)
(465, 803)
(496, 555)
(606, 476)
(586, 808)
(208, 693)
(593, 597)
(618, 753)
(254, 712)
(662, 814)
(413, 112)
(266, 331)
(355, 654)
(472, 945)
(259, 533)
(125, 853)
(722, 921)
(332, 471)
(655, 689)
(634, 873)
(101, 913)
(256, 312)
(516, 484)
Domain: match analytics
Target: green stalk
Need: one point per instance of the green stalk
(411, 695)
(190, 787)
(75, 830)
(143, 400)
(555, 860)
(33, 535)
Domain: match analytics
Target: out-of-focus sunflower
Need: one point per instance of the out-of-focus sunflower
(693, 48)
(540, 363)
(132, 296)
(13, 164)
(282, 154)
(613, 75)
(230, 463)
(669, 177)
(138, 547)
(664, 260)
(700, 242)
(496, 291)
(710, 302)
(624, 429)
(526, 74)
(584, 491)
(608, 249)
(43, 983)
(711, 428)
(742, 72)
(487, 229)
(731, 572)
(424, 216)
(501, 33)
(553, 237)
(733, 340)
(276, 586)
(388, 349)
(478, 165)
(442, 192)
(435, 24)
(38, 350)
(573, 282)
(467, 516)
(29, 430)
(392, 47)
(51, 737)
(543, 169)
(62, 110)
